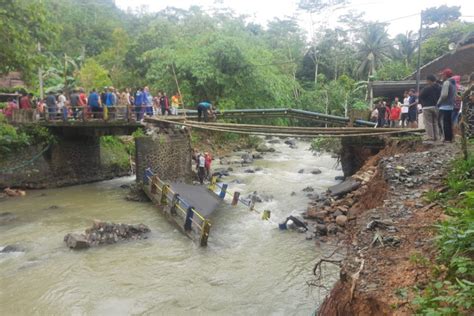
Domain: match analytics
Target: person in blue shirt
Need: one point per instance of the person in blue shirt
(94, 103)
(203, 108)
(139, 103)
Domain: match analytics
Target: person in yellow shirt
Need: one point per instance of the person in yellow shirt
(175, 102)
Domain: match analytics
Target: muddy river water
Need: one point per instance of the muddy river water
(250, 267)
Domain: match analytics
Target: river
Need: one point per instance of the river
(249, 266)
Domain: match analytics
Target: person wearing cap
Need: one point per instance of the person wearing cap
(446, 103)
(467, 114)
(428, 98)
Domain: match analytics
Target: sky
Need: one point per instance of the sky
(262, 11)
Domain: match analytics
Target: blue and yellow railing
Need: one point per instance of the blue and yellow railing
(222, 190)
(184, 215)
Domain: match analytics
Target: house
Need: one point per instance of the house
(11, 80)
(460, 60)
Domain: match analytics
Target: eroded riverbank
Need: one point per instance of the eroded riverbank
(389, 228)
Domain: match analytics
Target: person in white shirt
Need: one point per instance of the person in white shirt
(201, 163)
(61, 103)
(405, 107)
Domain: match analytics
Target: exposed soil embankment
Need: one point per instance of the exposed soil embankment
(387, 226)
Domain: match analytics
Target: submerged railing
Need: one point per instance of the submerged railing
(176, 209)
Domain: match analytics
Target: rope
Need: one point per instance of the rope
(26, 163)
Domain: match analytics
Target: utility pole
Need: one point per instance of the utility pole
(419, 56)
(40, 76)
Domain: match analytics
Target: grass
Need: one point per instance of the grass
(451, 290)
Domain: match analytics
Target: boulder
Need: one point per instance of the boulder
(332, 228)
(342, 188)
(339, 178)
(76, 241)
(249, 171)
(274, 141)
(257, 156)
(291, 142)
(247, 158)
(321, 229)
(262, 148)
(221, 173)
(316, 171)
(308, 189)
(301, 171)
(312, 213)
(341, 220)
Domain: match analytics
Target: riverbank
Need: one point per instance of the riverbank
(388, 230)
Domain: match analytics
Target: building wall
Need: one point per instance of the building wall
(167, 154)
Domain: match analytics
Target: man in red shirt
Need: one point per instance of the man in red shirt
(25, 102)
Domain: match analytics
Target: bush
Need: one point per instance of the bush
(13, 139)
(452, 292)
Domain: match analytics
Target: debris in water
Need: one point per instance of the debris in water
(105, 233)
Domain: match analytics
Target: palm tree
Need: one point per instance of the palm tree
(405, 47)
(372, 49)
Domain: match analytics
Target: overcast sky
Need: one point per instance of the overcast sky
(263, 11)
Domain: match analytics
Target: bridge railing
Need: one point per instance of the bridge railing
(106, 114)
(175, 208)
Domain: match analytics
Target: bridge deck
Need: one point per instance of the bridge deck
(197, 196)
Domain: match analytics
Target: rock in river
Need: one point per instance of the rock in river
(342, 188)
(105, 233)
(247, 158)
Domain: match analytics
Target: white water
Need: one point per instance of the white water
(249, 266)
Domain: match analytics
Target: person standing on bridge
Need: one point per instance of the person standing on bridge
(175, 102)
(139, 104)
(203, 108)
(147, 102)
(25, 102)
(164, 103)
(74, 103)
(94, 103)
(51, 105)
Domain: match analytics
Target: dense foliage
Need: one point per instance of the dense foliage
(215, 55)
(15, 138)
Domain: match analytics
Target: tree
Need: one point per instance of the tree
(313, 6)
(373, 48)
(23, 25)
(93, 75)
(438, 43)
(440, 16)
(405, 47)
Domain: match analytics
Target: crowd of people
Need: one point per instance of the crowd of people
(439, 102)
(77, 104)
